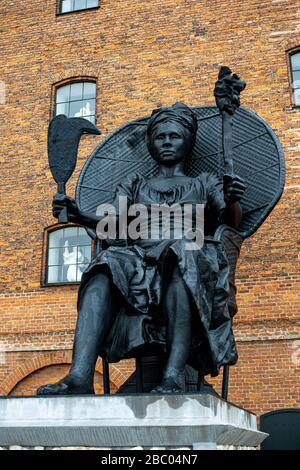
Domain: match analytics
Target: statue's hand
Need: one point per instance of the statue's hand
(234, 188)
(61, 201)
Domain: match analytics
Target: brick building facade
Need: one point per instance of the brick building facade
(142, 54)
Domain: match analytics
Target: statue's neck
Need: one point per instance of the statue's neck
(169, 171)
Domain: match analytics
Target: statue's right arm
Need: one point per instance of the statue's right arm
(85, 219)
(88, 219)
(75, 215)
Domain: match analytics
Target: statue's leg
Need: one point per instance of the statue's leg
(177, 309)
(96, 315)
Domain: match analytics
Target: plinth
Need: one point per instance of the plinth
(196, 421)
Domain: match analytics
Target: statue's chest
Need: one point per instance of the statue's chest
(171, 192)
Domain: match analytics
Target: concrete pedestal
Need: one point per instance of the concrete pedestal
(196, 421)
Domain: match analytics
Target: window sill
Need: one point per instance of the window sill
(84, 133)
(59, 284)
(293, 108)
(77, 11)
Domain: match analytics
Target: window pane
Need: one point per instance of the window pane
(69, 100)
(76, 91)
(56, 238)
(54, 256)
(83, 238)
(296, 79)
(66, 5)
(92, 119)
(76, 109)
(84, 254)
(62, 108)
(92, 3)
(295, 59)
(71, 236)
(71, 273)
(80, 269)
(89, 90)
(89, 107)
(82, 233)
(62, 256)
(69, 256)
(82, 108)
(80, 255)
(70, 232)
(297, 97)
(86, 247)
(63, 94)
(71, 5)
(83, 267)
(55, 274)
(65, 254)
(79, 4)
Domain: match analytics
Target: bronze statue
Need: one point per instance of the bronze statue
(157, 294)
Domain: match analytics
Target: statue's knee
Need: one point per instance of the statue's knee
(99, 282)
(176, 274)
(175, 281)
(101, 279)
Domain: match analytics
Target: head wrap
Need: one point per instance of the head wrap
(179, 113)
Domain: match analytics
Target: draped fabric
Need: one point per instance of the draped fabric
(139, 270)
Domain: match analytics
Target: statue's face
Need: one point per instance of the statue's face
(170, 143)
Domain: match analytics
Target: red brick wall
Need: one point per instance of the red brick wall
(51, 374)
(23, 372)
(145, 53)
(266, 376)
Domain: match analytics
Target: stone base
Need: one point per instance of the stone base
(196, 421)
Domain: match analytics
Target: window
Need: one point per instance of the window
(77, 100)
(69, 253)
(295, 74)
(75, 5)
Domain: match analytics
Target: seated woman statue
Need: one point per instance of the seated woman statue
(158, 293)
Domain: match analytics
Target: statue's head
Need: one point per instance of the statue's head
(171, 133)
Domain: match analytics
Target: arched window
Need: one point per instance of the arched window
(77, 99)
(295, 76)
(69, 252)
(66, 6)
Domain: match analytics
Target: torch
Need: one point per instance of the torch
(63, 141)
(227, 93)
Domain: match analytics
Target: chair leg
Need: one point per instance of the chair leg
(139, 375)
(200, 382)
(106, 383)
(225, 382)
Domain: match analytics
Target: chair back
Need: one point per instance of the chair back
(257, 154)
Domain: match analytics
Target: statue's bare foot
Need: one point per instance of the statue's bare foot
(168, 385)
(69, 385)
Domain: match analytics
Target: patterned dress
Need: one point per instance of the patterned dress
(140, 270)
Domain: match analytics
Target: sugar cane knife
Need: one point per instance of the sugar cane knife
(63, 141)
